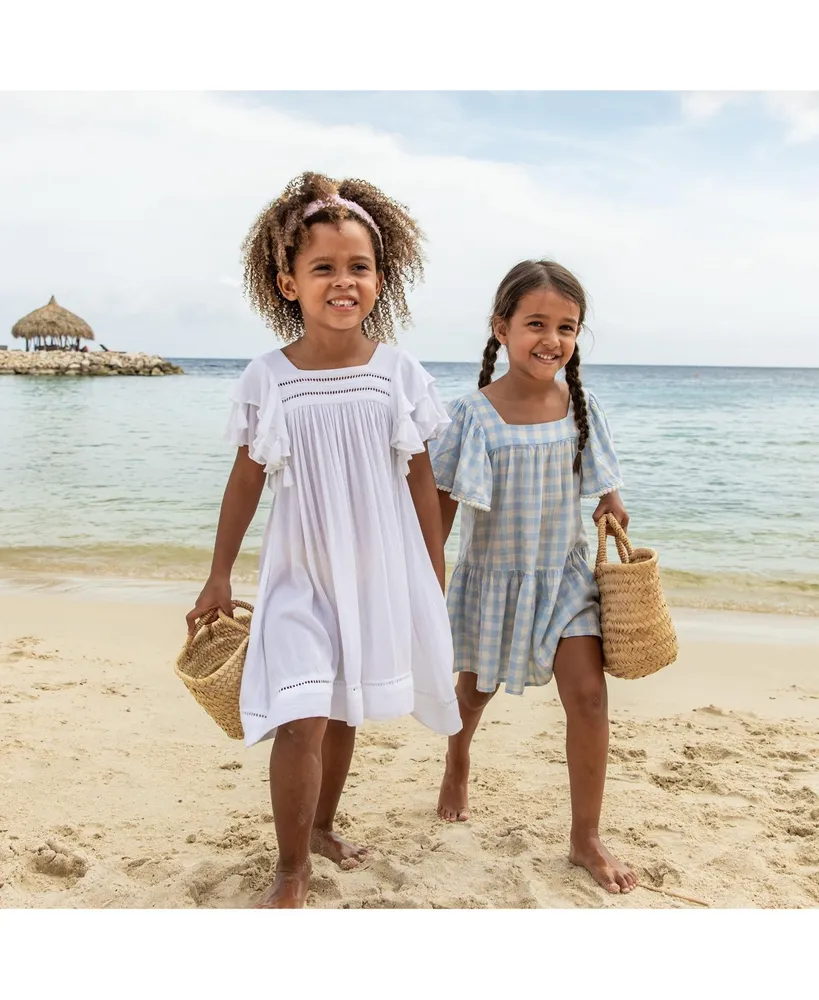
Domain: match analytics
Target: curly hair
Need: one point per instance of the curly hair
(280, 232)
(530, 276)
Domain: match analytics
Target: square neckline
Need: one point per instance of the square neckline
(541, 423)
(331, 371)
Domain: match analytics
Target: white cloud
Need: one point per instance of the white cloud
(702, 104)
(131, 209)
(800, 113)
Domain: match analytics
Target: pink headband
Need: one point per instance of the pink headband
(351, 206)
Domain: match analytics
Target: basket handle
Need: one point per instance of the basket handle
(608, 522)
(209, 617)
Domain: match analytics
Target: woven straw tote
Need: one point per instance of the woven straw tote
(638, 635)
(211, 665)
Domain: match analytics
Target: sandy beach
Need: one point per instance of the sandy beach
(118, 791)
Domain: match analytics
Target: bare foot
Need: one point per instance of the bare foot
(604, 868)
(453, 800)
(288, 892)
(329, 845)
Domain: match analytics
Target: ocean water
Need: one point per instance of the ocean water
(123, 477)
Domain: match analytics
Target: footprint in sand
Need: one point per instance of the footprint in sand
(800, 830)
(42, 686)
(324, 888)
(795, 755)
(681, 776)
(57, 859)
(388, 872)
(24, 647)
(152, 871)
(660, 874)
(204, 883)
(713, 753)
(514, 844)
(624, 754)
(713, 710)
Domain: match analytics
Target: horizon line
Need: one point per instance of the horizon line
(585, 364)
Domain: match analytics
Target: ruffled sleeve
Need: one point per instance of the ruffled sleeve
(460, 459)
(599, 470)
(418, 416)
(257, 421)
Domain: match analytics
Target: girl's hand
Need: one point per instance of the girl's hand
(612, 504)
(215, 594)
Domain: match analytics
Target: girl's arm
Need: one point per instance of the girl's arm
(611, 503)
(424, 494)
(449, 508)
(242, 493)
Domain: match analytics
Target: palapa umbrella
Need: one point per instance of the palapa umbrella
(52, 325)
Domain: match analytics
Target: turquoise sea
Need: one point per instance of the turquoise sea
(122, 477)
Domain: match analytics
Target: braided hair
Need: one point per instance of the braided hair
(281, 231)
(526, 277)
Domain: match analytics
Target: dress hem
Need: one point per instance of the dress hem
(353, 705)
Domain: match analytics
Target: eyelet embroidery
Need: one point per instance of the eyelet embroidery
(298, 684)
(334, 378)
(334, 392)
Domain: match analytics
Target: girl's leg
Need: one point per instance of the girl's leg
(295, 785)
(453, 801)
(336, 754)
(581, 684)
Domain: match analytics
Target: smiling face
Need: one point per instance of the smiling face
(541, 334)
(334, 277)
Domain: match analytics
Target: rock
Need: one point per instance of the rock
(102, 364)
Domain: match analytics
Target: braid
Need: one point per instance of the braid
(581, 414)
(490, 356)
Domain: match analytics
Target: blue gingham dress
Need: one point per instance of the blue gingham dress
(523, 580)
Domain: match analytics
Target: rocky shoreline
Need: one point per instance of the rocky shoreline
(74, 363)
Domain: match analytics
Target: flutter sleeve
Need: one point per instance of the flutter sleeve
(418, 414)
(460, 459)
(600, 469)
(257, 420)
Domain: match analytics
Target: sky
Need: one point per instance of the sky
(692, 219)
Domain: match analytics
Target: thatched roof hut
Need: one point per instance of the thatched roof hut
(52, 326)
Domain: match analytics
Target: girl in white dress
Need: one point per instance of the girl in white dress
(350, 622)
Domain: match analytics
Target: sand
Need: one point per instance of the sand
(118, 791)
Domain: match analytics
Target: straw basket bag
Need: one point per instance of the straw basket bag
(211, 665)
(638, 634)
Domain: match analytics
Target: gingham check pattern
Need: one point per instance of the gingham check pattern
(523, 580)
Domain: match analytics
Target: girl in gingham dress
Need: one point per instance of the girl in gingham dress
(519, 455)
